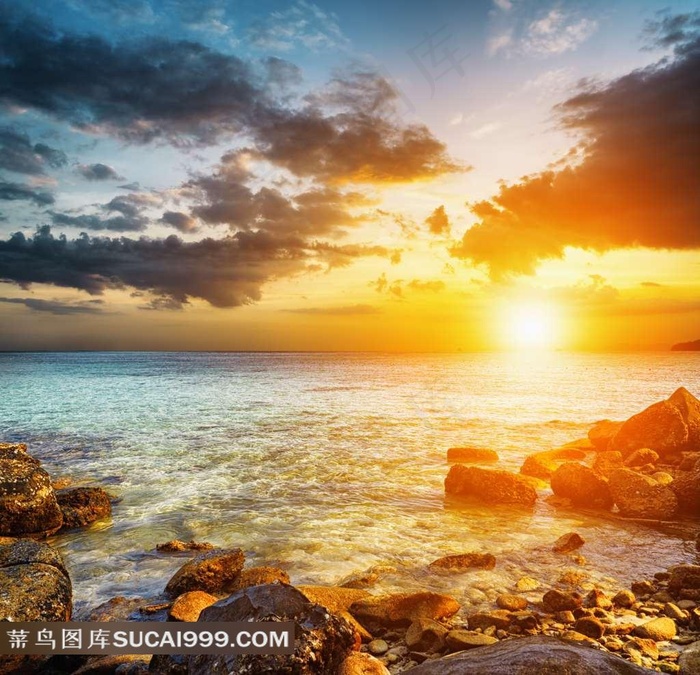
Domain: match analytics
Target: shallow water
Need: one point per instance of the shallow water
(327, 464)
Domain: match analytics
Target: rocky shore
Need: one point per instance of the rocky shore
(646, 468)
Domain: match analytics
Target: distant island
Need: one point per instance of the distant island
(687, 346)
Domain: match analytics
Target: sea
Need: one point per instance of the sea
(328, 465)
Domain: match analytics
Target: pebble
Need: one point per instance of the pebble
(378, 647)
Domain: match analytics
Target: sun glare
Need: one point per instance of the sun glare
(530, 326)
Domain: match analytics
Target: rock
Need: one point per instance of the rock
(425, 635)
(602, 433)
(490, 486)
(673, 611)
(639, 496)
(590, 627)
(663, 478)
(544, 464)
(214, 572)
(368, 578)
(641, 457)
(690, 461)
(361, 664)
(582, 485)
(558, 601)
(256, 576)
(484, 561)
(689, 660)
(378, 647)
(644, 647)
(666, 427)
(27, 501)
(34, 583)
(644, 587)
(597, 598)
(568, 542)
(177, 546)
(17, 451)
(116, 663)
(499, 619)
(188, 606)
(525, 584)
(322, 641)
(686, 487)
(684, 576)
(82, 506)
(475, 455)
(457, 640)
(338, 600)
(402, 609)
(542, 655)
(605, 463)
(566, 616)
(114, 609)
(658, 630)
(168, 664)
(513, 603)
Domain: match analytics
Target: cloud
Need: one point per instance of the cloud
(557, 32)
(504, 5)
(119, 12)
(678, 31)
(651, 284)
(17, 192)
(636, 183)
(304, 24)
(56, 306)
(96, 223)
(438, 222)
(427, 286)
(180, 221)
(97, 172)
(19, 155)
(349, 310)
(485, 130)
(499, 42)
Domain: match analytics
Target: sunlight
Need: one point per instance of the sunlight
(530, 326)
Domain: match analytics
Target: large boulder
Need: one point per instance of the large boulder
(322, 640)
(602, 433)
(214, 572)
(490, 486)
(17, 451)
(528, 655)
(686, 487)
(544, 464)
(27, 500)
(640, 496)
(666, 427)
(606, 462)
(82, 506)
(581, 485)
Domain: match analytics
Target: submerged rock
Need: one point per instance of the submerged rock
(322, 641)
(177, 546)
(461, 561)
(82, 506)
(471, 455)
(568, 542)
(582, 485)
(490, 486)
(214, 572)
(639, 496)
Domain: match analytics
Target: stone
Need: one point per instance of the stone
(567, 616)
(498, 619)
(116, 663)
(684, 576)
(426, 635)
(582, 485)
(490, 486)
(643, 587)
(484, 561)
(568, 542)
(524, 620)
(322, 641)
(255, 576)
(558, 601)
(34, 583)
(401, 609)
(526, 584)
(690, 461)
(602, 433)
(361, 664)
(27, 500)
(468, 455)
(513, 603)
(544, 464)
(458, 639)
(686, 488)
(542, 655)
(378, 647)
(177, 546)
(118, 608)
(644, 646)
(663, 478)
(596, 598)
(82, 506)
(639, 496)
(673, 611)
(188, 606)
(641, 457)
(214, 572)
(605, 463)
(17, 451)
(338, 600)
(590, 627)
(689, 660)
(658, 630)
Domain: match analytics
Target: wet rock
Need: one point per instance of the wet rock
(426, 635)
(658, 630)
(544, 464)
(177, 546)
(639, 496)
(641, 457)
(684, 576)
(82, 506)
(403, 608)
(596, 598)
(214, 572)
(27, 500)
(525, 584)
(256, 576)
(457, 640)
(378, 647)
(188, 606)
(490, 486)
(17, 451)
(368, 578)
(590, 627)
(525, 656)
(686, 487)
(602, 433)
(338, 600)
(666, 427)
(644, 587)
(322, 640)
(606, 462)
(513, 603)
(361, 664)
(484, 561)
(582, 485)
(115, 609)
(558, 601)
(34, 583)
(475, 455)
(499, 620)
(568, 542)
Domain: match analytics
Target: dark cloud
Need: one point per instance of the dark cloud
(56, 306)
(225, 272)
(96, 223)
(16, 192)
(637, 183)
(131, 187)
(678, 31)
(351, 310)
(18, 154)
(96, 172)
(180, 221)
(438, 223)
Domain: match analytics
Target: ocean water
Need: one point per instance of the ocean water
(328, 464)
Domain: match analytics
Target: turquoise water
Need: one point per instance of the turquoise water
(326, 464)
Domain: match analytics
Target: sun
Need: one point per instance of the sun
(530, 326)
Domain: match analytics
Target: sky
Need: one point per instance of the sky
(391, 176)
